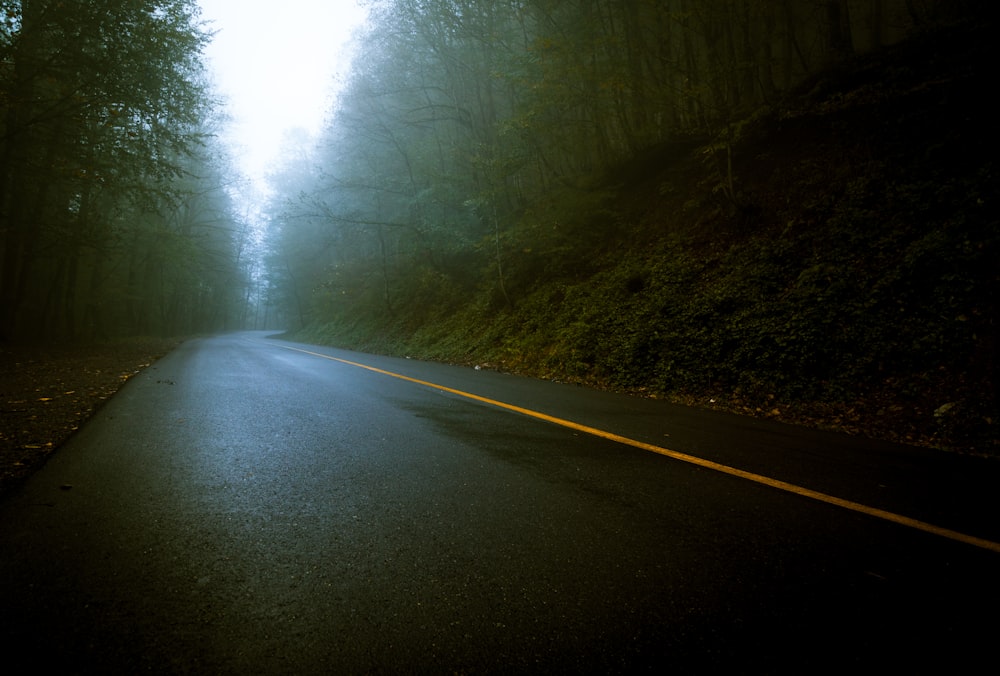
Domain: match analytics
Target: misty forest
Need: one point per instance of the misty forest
(783, 208)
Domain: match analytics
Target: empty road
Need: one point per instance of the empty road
(253, 506)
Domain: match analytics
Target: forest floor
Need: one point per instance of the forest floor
(48, 392)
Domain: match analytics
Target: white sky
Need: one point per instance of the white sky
(275, 62)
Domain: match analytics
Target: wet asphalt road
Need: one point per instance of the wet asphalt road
(242, 508)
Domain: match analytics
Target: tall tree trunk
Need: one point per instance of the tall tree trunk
(70, 295)
(295, 292)
(765, 67)
(878, 23)
(499, 258)
(94, 308)
(840, 41)
(793, 50)
(384, 258)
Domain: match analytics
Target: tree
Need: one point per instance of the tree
(462, 119)
(104, 107)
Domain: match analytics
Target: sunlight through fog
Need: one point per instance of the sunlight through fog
(276, 64)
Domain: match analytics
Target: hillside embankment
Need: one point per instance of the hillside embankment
(842, 274)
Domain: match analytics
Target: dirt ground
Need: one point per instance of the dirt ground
(47, 392)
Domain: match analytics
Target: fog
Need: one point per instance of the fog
(168, 170)
(277, 69)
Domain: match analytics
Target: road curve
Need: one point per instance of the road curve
(244, 507)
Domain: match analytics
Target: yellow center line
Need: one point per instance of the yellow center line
(693, 460)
